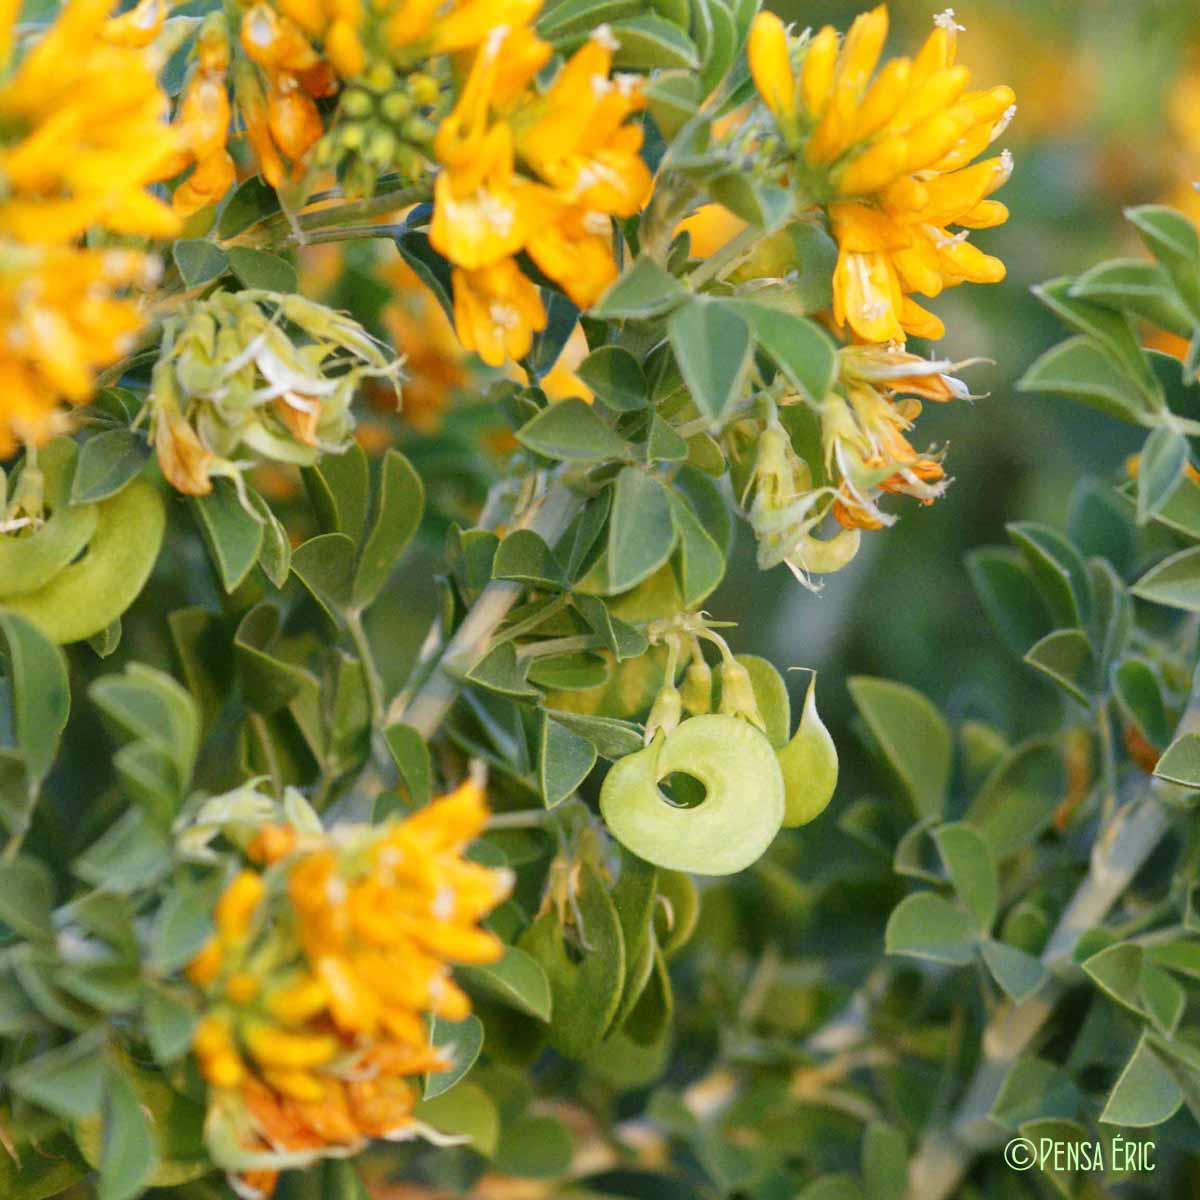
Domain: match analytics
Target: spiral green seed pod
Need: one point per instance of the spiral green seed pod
(729, 829)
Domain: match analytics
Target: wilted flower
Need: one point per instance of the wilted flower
(259, 374)
(330, 954)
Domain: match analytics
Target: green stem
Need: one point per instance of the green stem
(559, 645)
(362, 647)
(263, 233)
(726, 257)
(549, 519)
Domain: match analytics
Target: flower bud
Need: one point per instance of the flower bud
(737, 694)
(696, 692)
(665, 713)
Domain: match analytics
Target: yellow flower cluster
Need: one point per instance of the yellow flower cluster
(82, 135)
(321, 975)
(543, 173)
(889, 155)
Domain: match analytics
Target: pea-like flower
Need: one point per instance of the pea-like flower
(888, 153)
(331, 951)
(82, 136)
(543, 173)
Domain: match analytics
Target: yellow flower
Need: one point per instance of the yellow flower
(63, 321)
(497, 311)
(85, 133)
(325, 966)
(888, 153)
(544, 173)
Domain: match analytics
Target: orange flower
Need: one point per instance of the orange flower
(321, 976)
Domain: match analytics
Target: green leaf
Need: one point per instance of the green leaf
(107, 462)
(1034, 1089)
(41, 694)
(701, 564)
(339, 487)
(580, 17)
(181, 926)
(972, 870)
(1019, 974)
(461, 1042)
(148, 705)
(1081, 369)
(340, 1180)
(261, 269)
(535, 1147)
(644, 290)
(1173, 240)
(400, 507)
(612, 738)
(1145, 1094)
(275, 557)
(1137, 690)
(198, 260)
(250, 203)
(67, 1081)
(516, 980)
(1181, 762)
(1098, 523)
(268, 683)
(501, 671)
(650, 43)
(1009, 596)
(27, 898)
(1066, 657)
(1174, 582)
(571, 430)
(586, 983)
(467, 1111)
(133, 853)
(564, 762)
(801, 350)
(1163, 459)
(1060, 571)
(1110, 329)
(234, 537)
(570, 672)
(129, 1156)
(884, 1162)
(641, 530)
(325, 565)
(712, 344)
(1019, 798)
(525, 557)
(53, 1169)
(169, 1021)
(914, 738)
(1117, 971)
(616, 377)
(672, 98)
(925, 925)
(411, 756)
(1138, 287)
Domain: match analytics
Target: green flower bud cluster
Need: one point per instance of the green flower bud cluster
(253, 376)
(385, 124)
